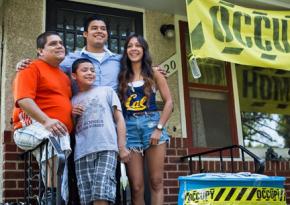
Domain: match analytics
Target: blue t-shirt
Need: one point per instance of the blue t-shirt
(107, 70)
(95, 129)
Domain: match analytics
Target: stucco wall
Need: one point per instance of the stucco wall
(1, 47)
(161, 49)
(23, 21)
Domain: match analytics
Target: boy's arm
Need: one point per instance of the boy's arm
(121, 132)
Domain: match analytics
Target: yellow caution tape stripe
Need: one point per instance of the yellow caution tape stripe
(241, 194)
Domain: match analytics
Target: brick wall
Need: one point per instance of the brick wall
(174, 168)
(13, 173)
(13, 170)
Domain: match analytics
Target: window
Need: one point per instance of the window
(264, 95)
(67, 18)
(210, 118)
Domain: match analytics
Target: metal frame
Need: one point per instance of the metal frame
(259, 163)
(30, 175)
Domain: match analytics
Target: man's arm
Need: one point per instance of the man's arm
(23, 64)
(121, 132)
(31, 108)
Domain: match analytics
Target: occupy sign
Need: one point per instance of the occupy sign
(236, 195)
(241, 35)
(263, 90)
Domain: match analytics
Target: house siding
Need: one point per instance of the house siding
(1, 61)
(23, 21)
(161, 49)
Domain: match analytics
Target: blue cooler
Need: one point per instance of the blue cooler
(231, 189)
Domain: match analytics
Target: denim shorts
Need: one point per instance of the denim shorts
(139, 130)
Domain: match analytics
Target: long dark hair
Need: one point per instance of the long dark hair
(126, 73)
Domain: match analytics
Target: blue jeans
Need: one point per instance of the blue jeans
(139, 130)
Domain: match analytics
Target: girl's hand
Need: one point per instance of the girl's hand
(154, 139)
(78, 110)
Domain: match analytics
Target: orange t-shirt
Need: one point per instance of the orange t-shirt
(49, 87)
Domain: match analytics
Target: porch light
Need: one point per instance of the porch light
(167, 30)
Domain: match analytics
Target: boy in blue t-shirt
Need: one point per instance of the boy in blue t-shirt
(100, 134)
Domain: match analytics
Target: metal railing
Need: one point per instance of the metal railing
(32, 176)
(259, 163)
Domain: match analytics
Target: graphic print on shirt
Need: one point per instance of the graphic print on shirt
(25, 119)
(92, 116)
(136, 103)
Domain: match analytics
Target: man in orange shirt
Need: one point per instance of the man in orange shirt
(43, 92)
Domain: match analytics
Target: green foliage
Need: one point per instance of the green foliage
(283, 128)
(256, 128)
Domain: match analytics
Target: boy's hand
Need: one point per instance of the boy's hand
(124, 154)
(78, 110)
(160, 70)
(22, 64)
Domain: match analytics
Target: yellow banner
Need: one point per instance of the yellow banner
(240, 35)
(263, 90)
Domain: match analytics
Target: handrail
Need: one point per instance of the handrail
(121, 196)
(259, 163)
(60, 168)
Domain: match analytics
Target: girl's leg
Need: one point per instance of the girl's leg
(155, 161)
(135, 174)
